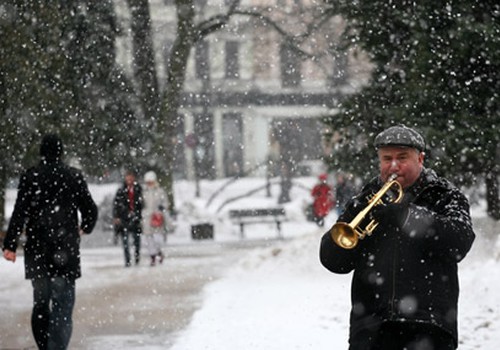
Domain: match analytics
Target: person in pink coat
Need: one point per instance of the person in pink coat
(155, 217)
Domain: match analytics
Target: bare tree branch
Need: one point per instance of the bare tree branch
(216, 22)
(293, 40)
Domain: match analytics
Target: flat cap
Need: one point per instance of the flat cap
(400, 135)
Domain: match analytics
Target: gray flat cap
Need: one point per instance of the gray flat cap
(400, 135)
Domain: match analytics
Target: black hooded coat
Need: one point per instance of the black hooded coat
(49, 198)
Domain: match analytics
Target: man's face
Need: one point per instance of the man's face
(129, 179)
(406, 162)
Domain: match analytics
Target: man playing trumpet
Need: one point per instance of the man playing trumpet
(405, 282)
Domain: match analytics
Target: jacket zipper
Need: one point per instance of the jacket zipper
(394, 266)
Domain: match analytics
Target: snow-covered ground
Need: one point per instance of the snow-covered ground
(280, 297)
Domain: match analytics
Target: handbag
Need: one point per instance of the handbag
(157, 219)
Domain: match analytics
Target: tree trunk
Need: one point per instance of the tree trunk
(176, 72)
(144, 58)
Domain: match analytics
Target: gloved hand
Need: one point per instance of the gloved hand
(360, 202)
(392, 214)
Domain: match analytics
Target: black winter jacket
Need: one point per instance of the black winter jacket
(130, 220)
(48, 200)
(407, 273)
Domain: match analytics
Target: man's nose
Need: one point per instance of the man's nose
(394, 164)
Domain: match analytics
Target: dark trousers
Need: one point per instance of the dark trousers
(51, 319)
(319, 220)
(136, 237)
(403, 336)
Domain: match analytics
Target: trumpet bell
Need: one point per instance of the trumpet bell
(344, 235)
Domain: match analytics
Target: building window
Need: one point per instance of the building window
(232, 60)
(290, 67)
(232, 137)
(340, 69)
(204, 152)
(202, 61)
(201, 3)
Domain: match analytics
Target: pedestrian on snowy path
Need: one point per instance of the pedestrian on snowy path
(344, 191)
(49, 198)
(127, 216)
(405, 282)
(323, 200)
(155, 217)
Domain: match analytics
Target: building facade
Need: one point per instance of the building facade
(256, 90)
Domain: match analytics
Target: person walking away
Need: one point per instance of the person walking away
(404, 289)
(323, 199)
(50, 195)
(155, 217)
(127, 216)
(344, 191)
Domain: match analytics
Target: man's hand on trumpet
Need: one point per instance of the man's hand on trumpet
(391, 214)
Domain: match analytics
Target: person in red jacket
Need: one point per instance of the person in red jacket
(323, 200)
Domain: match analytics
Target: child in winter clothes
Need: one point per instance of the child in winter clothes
(155, 216)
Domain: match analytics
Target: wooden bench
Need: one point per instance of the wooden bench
(257, 216)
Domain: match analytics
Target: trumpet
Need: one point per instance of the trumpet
(347, 235)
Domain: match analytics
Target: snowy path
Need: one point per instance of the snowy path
(216, 296)
(281, 298)
(247, 295)
(119, 308)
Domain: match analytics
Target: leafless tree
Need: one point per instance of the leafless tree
(294, 27)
